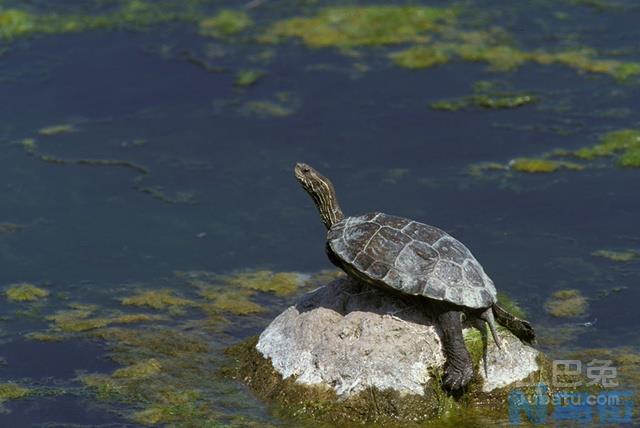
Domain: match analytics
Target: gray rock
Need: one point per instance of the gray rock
(350, 337)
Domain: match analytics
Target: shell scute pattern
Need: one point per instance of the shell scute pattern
(451, 249)
(486, 295)
(363, 261)
(386, 244)
(419, 232)
(449, 273)
(417, 258)
(391, 221)
(435, 288)
(378, 270)
(413, 258)
(343, 250)
(399, 280)
(472, 273)
(359, 234)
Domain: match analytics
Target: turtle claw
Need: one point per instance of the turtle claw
(457, 377)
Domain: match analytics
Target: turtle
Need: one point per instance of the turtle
(415, 259)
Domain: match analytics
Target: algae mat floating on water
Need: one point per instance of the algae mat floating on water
(168, 355)
(25, 292)
(623, 146)
(362, 25)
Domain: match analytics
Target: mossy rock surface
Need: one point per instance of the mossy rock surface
(339, 357)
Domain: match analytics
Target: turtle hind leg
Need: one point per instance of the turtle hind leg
(487, 316)
(458, 368)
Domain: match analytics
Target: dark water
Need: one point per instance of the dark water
(371, 132)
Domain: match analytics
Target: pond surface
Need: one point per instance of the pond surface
(132, 159)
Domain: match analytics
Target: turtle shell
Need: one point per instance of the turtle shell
(410, 257)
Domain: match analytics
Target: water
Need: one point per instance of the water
(90, 228)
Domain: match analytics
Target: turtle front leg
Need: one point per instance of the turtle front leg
(458, 368)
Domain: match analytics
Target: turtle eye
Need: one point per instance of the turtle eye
(306, 170)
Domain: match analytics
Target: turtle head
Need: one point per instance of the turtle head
(321, 191)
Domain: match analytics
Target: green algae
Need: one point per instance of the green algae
(509, 58)
(226, 23)
(45, 337)
(566, 304)
(324, 277)
(343, 27)
(130, 346)
(475, 343)
(618, 256)
(247, 78)
(266, 281)
(503, 102)
(351, 26)
(556, 336)
(624, 143)
(233, 302)
(487, 95)
(128, 14)
(12, 391)
(25, 292)
(451, 105)
(56, 129)
(541, 165)
(31, 147)
(177, 406)
(610, 144)
(234, 294)
(490, 48)
(630, 159)
(499, 58)
(485, 102)
(79, 319)
(133, 14)
(266, 108)
(419, 57)
(163, 299)
(168, 377)
(626, 70)
(15, 23)
(140, 370)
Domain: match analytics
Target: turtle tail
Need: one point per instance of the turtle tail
(520, 328)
